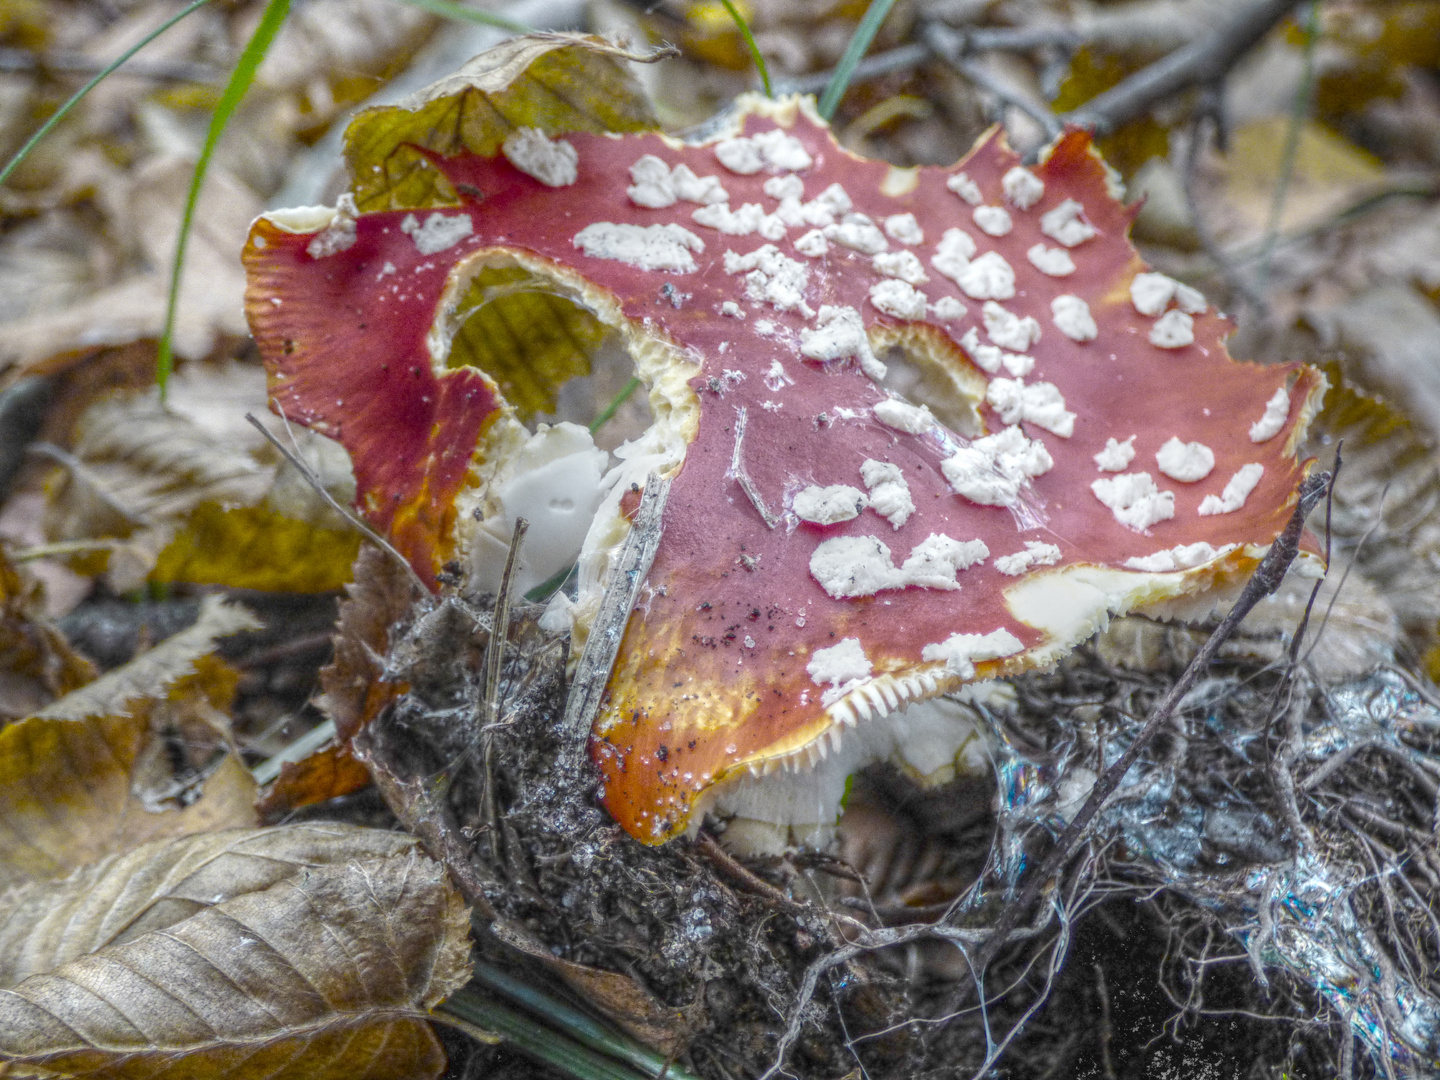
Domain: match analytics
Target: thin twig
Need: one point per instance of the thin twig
(308, 475)
(1265, 581)
(951, 47)
(1205, 60)
(737, 470)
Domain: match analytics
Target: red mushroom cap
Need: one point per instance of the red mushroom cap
(829, 551)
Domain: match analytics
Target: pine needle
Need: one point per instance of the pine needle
(75, 99)
(854, 52)
(244, 74)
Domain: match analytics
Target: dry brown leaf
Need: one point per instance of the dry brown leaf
(88, 776)
(328, 773)
(379, 597)
(317, 959)
(37, 664)
(163, 882)
(153, 673)
(148, 215)
(67, 795)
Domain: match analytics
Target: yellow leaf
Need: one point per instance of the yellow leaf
(253, 547)
(1329, 174)
(77, 780)
(554, 82)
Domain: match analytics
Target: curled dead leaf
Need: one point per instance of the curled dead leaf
(305, 951)
(86, 777)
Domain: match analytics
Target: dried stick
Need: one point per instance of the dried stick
(1203, 61)
(1265, 581)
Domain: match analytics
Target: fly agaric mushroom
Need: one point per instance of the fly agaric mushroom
(829, 552)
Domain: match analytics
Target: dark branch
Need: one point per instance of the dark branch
(1206, 60)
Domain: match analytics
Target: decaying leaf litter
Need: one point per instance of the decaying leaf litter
(1336, 273)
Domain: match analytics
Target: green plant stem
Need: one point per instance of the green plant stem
(531, 1037)
(463, 13)
(576, 1024)
(854, 52)
(1292, 138)
(75, 98)
(750, 44)
(244, 74)
(610, 410)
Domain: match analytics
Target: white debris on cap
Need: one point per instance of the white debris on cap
(1007, 329)
(900, 264)
(777, 378)
(960, 652)
(991, 358)
(842, 666)
(1066, 225)
(904, 228)
(1135, 500)
(1173, 330)
(948, 309)
(750, 218)
(813, 244)
(772, 278)
(655, 185)
(1182, 557)
(859, 233)
(966, 188)
(1040, 404)
(840, 333)
(785, 187)
(1237, 490)
(953, 253)
(1056, 262)
(773, 149)
(1022, 187)
(1035, 554)
(934, 562)
(988, 277)
(1151, 294)
(646, 247)
(902, 416)
(889, 493)
(993, 220)
(1116, 455)
(1186, 462)
(339, 233)
(1072, 318)
(439, 233)
(1277, 411)
(991, 470)
(730, 309)
(828, 505)
(850, 566)
(898, 300)
(847, 566)
(553, 162)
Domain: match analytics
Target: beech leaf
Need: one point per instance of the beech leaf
(303, 951)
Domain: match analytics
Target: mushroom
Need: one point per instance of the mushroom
(830, 554)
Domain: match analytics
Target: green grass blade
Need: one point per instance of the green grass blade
(854, 53)
(1299, 113)
(750, 44)
(531, 1037)
(577, 1024)
(463, 13)
(244, 74)
(75, 99)
(610, 410)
